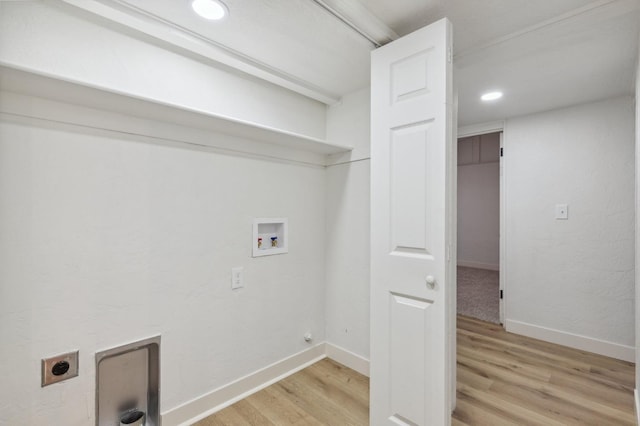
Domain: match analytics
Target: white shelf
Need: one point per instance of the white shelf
(33, 83)
(270, 236)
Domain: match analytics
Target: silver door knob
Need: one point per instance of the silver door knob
(431, 282)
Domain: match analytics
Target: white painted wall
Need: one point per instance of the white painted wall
(479, 212)
(108, 239)
(347, 241)
(348, 124)
(57, 40)
(572, 280)
(637, 242)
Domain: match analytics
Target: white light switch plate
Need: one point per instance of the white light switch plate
(562, 211)
(237, 277)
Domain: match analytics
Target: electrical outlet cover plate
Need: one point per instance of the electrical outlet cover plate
(237, 278)
(562, 211)
(49, 365)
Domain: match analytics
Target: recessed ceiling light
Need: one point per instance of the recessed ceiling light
(212, 10)
(491, 96)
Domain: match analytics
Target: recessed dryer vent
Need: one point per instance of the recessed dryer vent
(128, 384)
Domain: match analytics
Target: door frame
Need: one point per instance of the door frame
(483, 129)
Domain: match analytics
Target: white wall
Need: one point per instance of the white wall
(637, 241)
(572, 280)
(347, 249)
(108, 239)
(479, 209)
(55, 39)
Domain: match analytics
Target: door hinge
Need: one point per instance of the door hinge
(501, 152)
(501, 293)
(449, 54)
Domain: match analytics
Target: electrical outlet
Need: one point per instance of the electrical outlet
(237, 278)
(562, 211)
(59, 368)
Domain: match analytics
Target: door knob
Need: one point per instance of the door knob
(431, 282)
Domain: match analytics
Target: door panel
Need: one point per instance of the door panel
(409, 148)
(409, 321)
(411, 139)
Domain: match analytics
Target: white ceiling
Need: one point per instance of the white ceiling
(543, 54)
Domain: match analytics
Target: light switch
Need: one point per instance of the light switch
(237, 277)
(562, 211)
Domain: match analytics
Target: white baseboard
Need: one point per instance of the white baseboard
(478, 265)
(348, 359)
(601, 347)
(635, 397)
(214, 401)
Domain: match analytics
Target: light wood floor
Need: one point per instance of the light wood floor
(503, 379)
(326, 393)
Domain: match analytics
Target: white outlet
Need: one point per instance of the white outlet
(562, 211)
(237, 277)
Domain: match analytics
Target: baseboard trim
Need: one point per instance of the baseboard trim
(348, 359)
(637, 400)
(205, 405)
(589, 344)
(478, 265)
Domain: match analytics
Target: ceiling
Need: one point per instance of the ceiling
(542, 54)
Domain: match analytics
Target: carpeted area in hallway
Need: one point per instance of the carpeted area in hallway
(478, 293)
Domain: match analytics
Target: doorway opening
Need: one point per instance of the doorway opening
(479, 289)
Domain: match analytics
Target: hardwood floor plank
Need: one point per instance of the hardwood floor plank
(316, 399)
(456, 422)
(479, 412)
(473, 377)
(353, 384)
(280, 411)
(502, 379)
(325, 393)
(476, 341)
(228, 416)
(618, 397)
(558, 366)
(496, 331)
(251, 415)
(471, 413)
(579, 389)
(587, 394)
(547, 404)
(499, 363)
